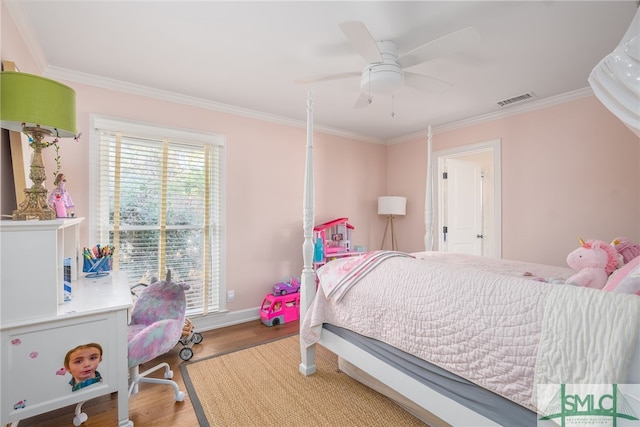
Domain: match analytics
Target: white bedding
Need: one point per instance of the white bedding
(604, 326)
(479, 318)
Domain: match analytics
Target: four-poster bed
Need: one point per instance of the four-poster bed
(468, 338)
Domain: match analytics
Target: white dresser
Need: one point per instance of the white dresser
(37, 328)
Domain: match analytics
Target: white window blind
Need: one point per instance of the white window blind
(159, 203)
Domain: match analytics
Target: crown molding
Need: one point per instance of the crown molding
(28, 34)
(484, 118)
(16, 10)
(149, 92)
(26, 30)
(134, 89)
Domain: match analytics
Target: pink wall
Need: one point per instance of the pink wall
(264, 173)
(13, 47)
(567, 170)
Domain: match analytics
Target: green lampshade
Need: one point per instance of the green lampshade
(34, 100)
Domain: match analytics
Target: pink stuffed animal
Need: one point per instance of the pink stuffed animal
(596, 260)
(626, 248)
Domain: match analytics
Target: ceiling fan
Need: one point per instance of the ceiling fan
(384, 71)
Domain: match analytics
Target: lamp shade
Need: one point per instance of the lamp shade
(392, 205)
(29, 100)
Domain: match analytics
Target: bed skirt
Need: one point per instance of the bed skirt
(480, 400)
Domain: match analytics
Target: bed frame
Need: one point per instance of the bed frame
(432, 407)
(424, 402)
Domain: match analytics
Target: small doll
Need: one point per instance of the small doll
(60, 182)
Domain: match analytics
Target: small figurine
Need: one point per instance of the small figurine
(60, 194)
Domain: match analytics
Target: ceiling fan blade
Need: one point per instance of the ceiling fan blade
(362, 101)
(361, 39)
(327, 77)
(443, 46)
(425, 83)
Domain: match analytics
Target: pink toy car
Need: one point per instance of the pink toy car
(287, 287)
(277, 309)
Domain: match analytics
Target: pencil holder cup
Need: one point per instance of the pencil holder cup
(97, 267)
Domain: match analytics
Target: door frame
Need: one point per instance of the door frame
(437, 159)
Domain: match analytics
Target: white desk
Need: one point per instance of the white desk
(33, 254)
(32, 351)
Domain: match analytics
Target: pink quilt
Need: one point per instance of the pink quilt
(479, 318)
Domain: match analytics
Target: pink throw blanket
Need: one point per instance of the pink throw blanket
(337, 279)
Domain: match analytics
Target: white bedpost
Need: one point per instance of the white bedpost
(428, 202)
(308, 280)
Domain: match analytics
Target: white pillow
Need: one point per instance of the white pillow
(626, 279)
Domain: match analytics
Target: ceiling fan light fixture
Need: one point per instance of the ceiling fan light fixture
(382, 79)
(384, 72)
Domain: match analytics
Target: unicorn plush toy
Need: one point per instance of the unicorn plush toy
(626, 249)
(595, 260)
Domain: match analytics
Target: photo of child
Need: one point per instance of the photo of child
(82, 363)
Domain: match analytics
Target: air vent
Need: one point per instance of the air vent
(515, 99)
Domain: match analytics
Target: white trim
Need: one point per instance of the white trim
(495, 146)
(463, 150)
(154, 130)
(120, 86)
(98, 121)
(224, 318)
(175, 134)
(28, 34)
(519, 109)
(484, 118)
(17, 12)
(428, 204)
(58, 73)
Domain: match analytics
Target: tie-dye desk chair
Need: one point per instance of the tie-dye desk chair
(156, 324)
(157, 319)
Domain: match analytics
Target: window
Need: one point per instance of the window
(157, 198)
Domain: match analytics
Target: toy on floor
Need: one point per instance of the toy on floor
(277, 309)
(289, 286)
(189, 337)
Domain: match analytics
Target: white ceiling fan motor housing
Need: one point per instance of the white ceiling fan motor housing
(383, 77)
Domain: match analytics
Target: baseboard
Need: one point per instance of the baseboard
(223, 319)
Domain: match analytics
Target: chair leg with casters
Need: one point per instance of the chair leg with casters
(135, 377)
(80, 417)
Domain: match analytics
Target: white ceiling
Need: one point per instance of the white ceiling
(244, 56)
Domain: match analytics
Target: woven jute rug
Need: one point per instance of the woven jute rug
(261, 386)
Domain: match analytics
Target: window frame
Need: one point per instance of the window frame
(158, 131)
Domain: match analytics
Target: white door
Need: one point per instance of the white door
(463, 204)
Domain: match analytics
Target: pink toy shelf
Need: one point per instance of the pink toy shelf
(336, 239)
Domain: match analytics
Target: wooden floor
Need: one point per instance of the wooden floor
(154, 405)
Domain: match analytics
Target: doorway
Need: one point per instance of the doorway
(468, 202)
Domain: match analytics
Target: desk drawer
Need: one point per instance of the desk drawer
(34, 379)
